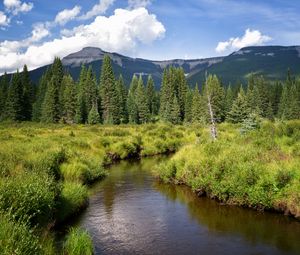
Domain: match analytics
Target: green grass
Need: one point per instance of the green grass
(260, 169)
(16, 237)
(78, 242)
(74, 197)
(45, 170)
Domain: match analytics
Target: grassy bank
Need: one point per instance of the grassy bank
(45, 170)
(259, 169)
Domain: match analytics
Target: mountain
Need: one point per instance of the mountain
(271, 61)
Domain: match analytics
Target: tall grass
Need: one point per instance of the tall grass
(78, 242)
(260, 169)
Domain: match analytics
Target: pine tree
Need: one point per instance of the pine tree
(109, 95)
(239, 111)
(182, 90)
(15, 99)
(197, 107)
(28, 95)
(175, 112)
(122, 99)
(263, 95)
(90, 89)
(289, 107)
(150, 91)
(143, 112)
(173, 85)
(4, 85)
(40, 95)
(51, 105)
(131, 101)
(277, 91)
(188, 106)
(294, 104)
(229, 97)
(94, 117)
(69, 98)
(270, 112)
(81, 114)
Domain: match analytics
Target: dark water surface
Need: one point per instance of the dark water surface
(130, 212)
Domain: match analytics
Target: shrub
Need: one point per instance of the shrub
(78, 242)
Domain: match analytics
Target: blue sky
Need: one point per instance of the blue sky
(34, 31)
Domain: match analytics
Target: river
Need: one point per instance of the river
(131, 212)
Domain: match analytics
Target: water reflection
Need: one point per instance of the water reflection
(132, 213)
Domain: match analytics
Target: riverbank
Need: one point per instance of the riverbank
(259, 169)
(46, 169)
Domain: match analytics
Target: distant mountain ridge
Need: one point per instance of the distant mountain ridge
(270, 61)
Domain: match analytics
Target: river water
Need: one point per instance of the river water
(130, 212)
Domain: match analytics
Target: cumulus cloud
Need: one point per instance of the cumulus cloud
(39, 32)
(67, 15)
(133, 4)
(250, 38)
(3, 19)
(120, 32)
(97, 9)
(16, 6)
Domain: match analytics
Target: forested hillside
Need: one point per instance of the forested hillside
(58, 98)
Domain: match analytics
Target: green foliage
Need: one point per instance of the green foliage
(198, 114)
(175, 112)
(17, 238)
(143, 113)
(239, 111)
(15, 99)
(50, 107)
(40, 95)
(122, 99)
(131, 101)
(29, 195)
(188, 106)
(74, 197)
(78, 242)
(151, 96)
(252, 122)
(69, 99)
(108, 92)
(173, 85)
(4, 85)
(28, 95)
(263, 174)
(94, 117)
(215, 92)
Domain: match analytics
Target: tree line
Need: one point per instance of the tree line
(58, 98)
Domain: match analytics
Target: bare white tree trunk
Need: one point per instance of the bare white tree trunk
(213, 128)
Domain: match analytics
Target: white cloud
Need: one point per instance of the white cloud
(67, 15)
(97, 9)
(133, 4)
(120, 32)
(250, 38)
(3, 19)
(16, 6)
(39, 32)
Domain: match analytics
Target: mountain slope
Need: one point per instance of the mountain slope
(125, 65)
(271, 61)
